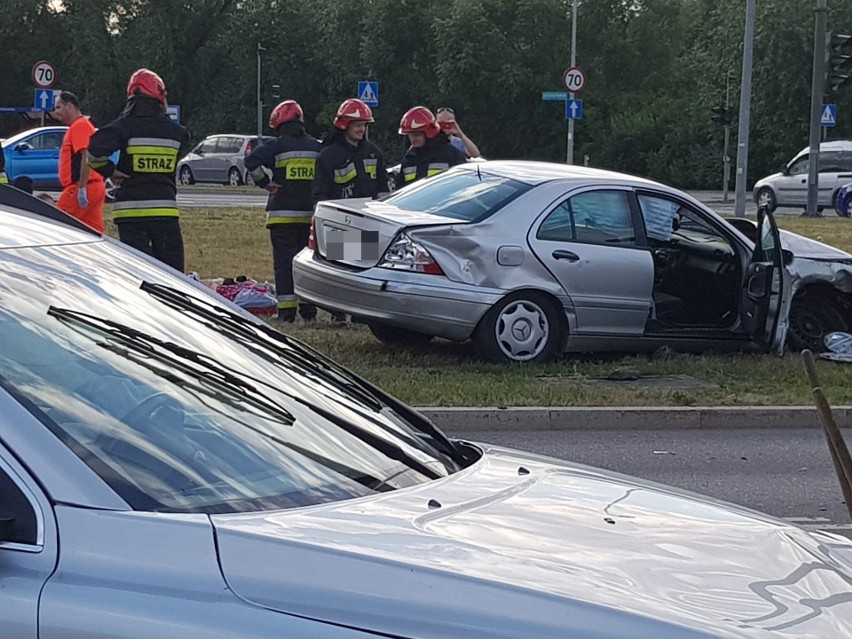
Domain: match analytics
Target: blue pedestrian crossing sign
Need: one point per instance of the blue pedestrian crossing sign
(45, 99)
(368, 93)
(828, 116)
(573, 109)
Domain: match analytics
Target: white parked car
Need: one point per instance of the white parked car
(789, 187)
(173, 468)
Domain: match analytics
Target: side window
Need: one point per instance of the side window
(594, 217)
(800, 166)
(829, 162)
(228, 145)
(659, 216)
(846, 161)
(39, 142)
(682, 226)
(207, 146)
(18, 522)
(557, 227)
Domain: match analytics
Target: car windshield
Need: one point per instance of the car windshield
(182, 405)
(468, 195)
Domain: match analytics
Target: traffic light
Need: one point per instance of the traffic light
(838, 61)
(722, 115)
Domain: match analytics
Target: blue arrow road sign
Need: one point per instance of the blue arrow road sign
(574, 109)
(173, 111)
(368, 93)
(829, 115)
(554, 96)
(44, 99)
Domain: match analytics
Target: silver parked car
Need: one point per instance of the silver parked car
(172, 467)
(219, 159)
(529, 259)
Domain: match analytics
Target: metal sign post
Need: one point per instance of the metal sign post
(569, 155)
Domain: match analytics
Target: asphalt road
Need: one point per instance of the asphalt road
(787, 473)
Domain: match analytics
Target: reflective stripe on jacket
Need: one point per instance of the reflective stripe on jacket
(149, 144)
(292, 161)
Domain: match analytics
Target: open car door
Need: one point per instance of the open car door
(765, 296)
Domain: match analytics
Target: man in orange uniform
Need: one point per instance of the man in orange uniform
(83, 191)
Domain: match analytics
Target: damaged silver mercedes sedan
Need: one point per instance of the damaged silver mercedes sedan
(530, 259)
(173, 468)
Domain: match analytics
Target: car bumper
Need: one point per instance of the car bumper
(427, 304)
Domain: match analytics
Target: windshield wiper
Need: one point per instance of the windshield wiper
(180, 358)
(302, 357)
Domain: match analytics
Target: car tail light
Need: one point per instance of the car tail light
(249, 147)
(407, 255)
(312, 236)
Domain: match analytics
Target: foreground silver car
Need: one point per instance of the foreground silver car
(172, 468)
(528, 259)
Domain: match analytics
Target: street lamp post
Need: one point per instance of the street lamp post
(259, 102)
(816, 108)
(726, 158)
(745, 113)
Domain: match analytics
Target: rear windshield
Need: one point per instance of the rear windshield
(465, 195)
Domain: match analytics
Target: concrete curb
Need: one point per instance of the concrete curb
(630, 418)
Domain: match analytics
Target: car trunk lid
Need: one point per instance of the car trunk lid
(357, 232)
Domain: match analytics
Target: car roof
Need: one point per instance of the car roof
(833, 145)
(534, 173)
(30, 132)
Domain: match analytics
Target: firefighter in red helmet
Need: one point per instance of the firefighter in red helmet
(349, 164)
(145, 209)
(291, 159)
(430, 151)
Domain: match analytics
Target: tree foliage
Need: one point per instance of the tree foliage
(654, 69)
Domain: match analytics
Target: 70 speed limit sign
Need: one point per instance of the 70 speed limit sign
(44, 74)
(574, 79)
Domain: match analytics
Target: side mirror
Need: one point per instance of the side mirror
(23, 146)
(785, 170)
(786, 257)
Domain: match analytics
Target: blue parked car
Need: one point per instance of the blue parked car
(35, 153)
(843, 201)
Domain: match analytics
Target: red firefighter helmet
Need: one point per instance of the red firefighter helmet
(419, 119)
(285, 112)
(146, 82)
(352, 110)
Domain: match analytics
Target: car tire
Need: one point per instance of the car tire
(522, 327)
(185, 176)
(812, 317)
(395, 336)
(766, 197)
(234, 178)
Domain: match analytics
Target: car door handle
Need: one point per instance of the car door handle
(565, 255)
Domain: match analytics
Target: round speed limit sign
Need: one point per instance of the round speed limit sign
(574, 79)
(44, 74)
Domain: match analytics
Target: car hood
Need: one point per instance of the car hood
(519, 545)
(816, 262)
(805, 247)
